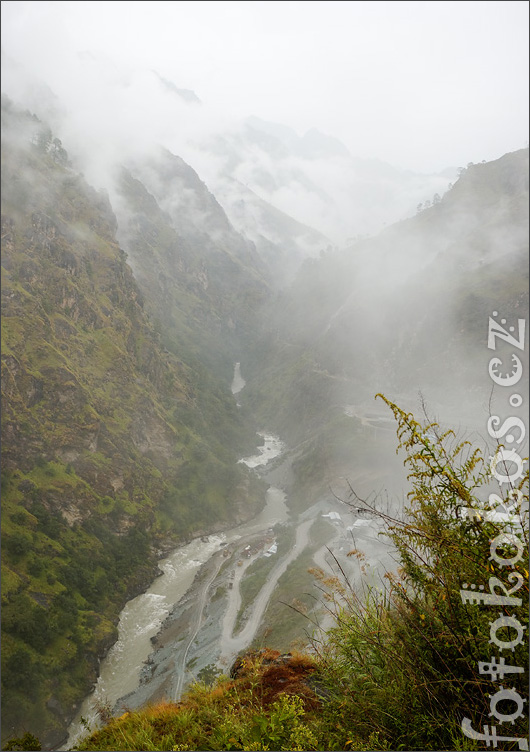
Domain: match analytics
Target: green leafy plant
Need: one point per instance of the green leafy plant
(404, 661)
(26, 742)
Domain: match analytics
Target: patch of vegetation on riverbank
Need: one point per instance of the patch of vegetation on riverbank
(258, 572)
(289, 616)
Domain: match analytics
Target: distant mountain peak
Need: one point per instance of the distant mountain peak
(187, 95)
(320, 144)
(313, 144)
(278, 130)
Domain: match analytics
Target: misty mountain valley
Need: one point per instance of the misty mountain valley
(264, 451)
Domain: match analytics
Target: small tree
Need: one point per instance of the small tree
(44, 139)
(58, 153)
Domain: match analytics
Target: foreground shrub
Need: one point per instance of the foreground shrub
(408, 662)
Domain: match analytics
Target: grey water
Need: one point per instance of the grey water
(142, 617)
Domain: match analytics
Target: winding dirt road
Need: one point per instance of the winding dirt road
(232, 644)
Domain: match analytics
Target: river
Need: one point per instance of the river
(238, 382)
(191, 610)
(142, 617)
(140, 620)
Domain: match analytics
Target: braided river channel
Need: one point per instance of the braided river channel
(187, 620)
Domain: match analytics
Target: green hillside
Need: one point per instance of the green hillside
(114, 447)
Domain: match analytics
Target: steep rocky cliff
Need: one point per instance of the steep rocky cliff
(202, 280)
(113, 445)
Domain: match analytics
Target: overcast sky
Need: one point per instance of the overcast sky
(422, 85)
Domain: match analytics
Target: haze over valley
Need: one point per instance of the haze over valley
(217, 249)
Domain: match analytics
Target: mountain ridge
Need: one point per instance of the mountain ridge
(114, 446)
